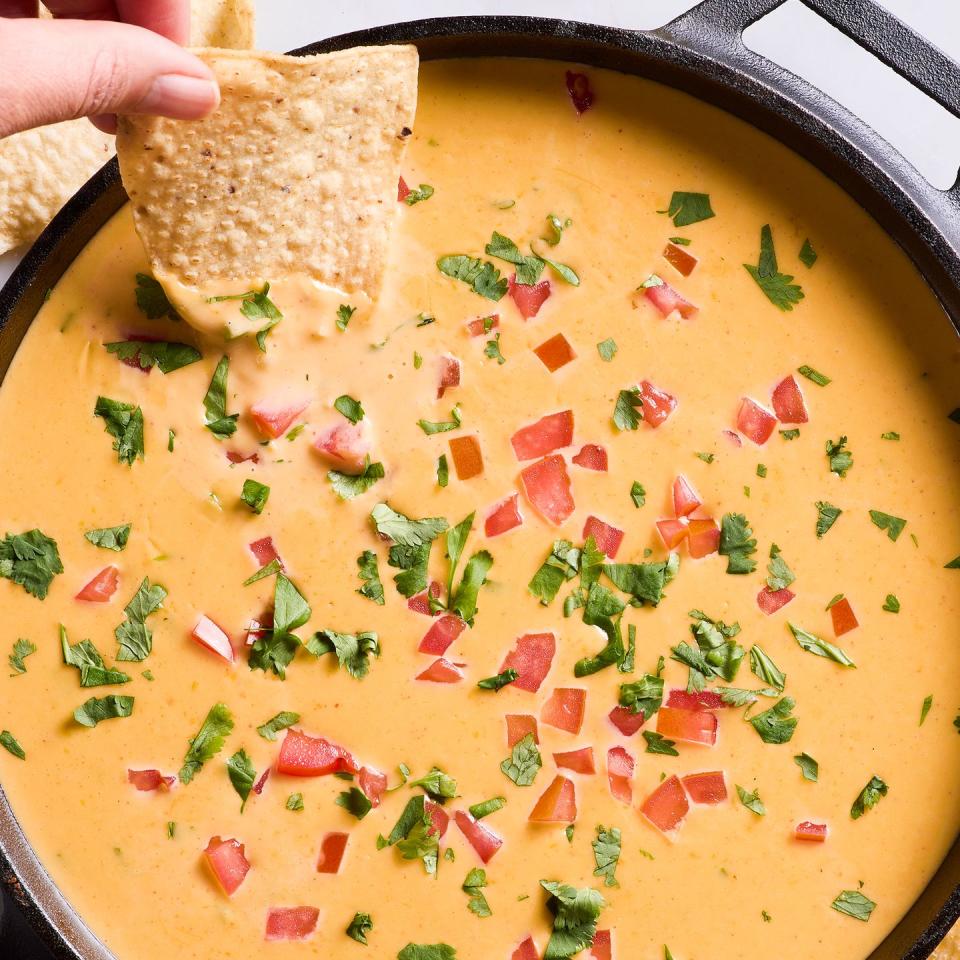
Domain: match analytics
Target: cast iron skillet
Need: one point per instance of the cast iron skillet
(701, 52)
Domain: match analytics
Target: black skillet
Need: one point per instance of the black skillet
(701, 52)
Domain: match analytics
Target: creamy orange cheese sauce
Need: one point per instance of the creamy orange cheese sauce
(730, 884)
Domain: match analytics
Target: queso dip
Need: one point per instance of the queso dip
(687, 684)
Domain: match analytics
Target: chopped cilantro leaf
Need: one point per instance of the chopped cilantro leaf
(369, 573)
(891, 604)
(481, 276)
(430, 427)
(528, 268)
(925, 708)
(628, 410)
(687, 207)
(492, 349)
(165, 355)
(499, 681)
(133, 635)
(208, 741)
(21, 650)
(637, 494)
(443, 471)
(752, 801)
(473, 886)
(658, 743)
(359, 927)
(86, 658)
(820, 379)
(124, 422)
(349, 485)
(790, 434)
(254, 304)
(524, 762)
(642, 696)
(242, 774)
(885, 521)
(284, 719)
(854, 904)
(763, 667)
(868, 797)
(807, 255)
(480, 810)
(350, 408)
(254, 494)
(827, 515)
(737, 543)
(780, 575)
(776, 725)
(344, 313)
(275, 649)
(355, 802)
(890, 435)
(97, 709)
(294, 802)
(218, 421)
(427, 951)
(423, 192)
(607, 349)
(840, 460)
(31, 560)
(575, 914)
(151, 300)
(9, 743)
(778, 287)
(606, 855)
(353, 650)
(555, 227)
(808, 766)
(561, 565)
(109, 538)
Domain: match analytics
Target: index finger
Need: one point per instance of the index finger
(169, 18)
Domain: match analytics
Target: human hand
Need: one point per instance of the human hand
(96, 59)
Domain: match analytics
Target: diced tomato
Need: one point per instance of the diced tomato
(815, 832)
(441, 634)
(690, 726)
(373, 783)
(703, 537)
(592, 457)
(236, 457)
(685, 498)
(706, 787)
(844, 619)
(439, 818)
(305, 756)
(733, 437)
(503, 517)
(421, 602)
(579, 761)
(672, 532)
(526, 951)
(291, 923)
(601, 948)
(549, 433)
(264, 551)
(788, 403)
(756, 423)
(261, 782)
(519, 725)
(667, 300)
(555, 352)
(208, 634)
(102, 587)
(484, 841)
(147, 780)
(620, 766)
(581, 94)
(403, 191)
(529, 298)
(531, 658)
(275, 416)
(606, 537)
(770, 601)
(449, 375)
(481, 326)
(657, 403)
(695, 700)
(258, 628)
(343, 446)
(666, 807)
(442, 671)
(332, 848)
(564, 709)
(625, 721)
(467, 457)
(546, 485)
(678, 258)
(558, 803)
(228, 863)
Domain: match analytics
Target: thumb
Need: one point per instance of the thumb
(62, 69)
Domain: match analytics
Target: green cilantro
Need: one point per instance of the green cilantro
(790, 434)
(528, 268)
(369, 573)
(607, 349)
(254, 494)
(778, 287)
(414, 834)
(284, 719)
(165, 355)
(443, 471)
(97, 709)
(86, 658)
(294, 802)
(350, 408)
(275, 649)
(217, 420)
(637, 494)
(761, 470)
(763, 667)
(151, 300)
(776, 725)
(473, 886)
(954, 564)
(344, 313)
(575, 914)
(868, 797)
(890, 435)
(359, 927)
(891, 604)
(492, 349)
(109, 538)
(133, 635)
(21, 650)
(171, 829)
(9, 743)
(561, 565)
(524, 762)
(780, 576)
(430, 427)
(808, 766)
(658, 743)
(752, 801)
(642, 696)
(353, 650)
(827, 515)
(885, 521)
(355, 802)
(242, 775)
(427, 951)
(606, 855)
(705, 457)
(820, 379)
(208, 741)
(268, 570)
(628, 410)
(840, 460)
(555, 227)
(807, 255)
(819, 647)
(686, 208)
(925, 708)
(481, 276)
(171, 436)
(854, 904)
(499, 681)
(480, 810)
(124, 422)
(737, 543)
(255, 305)
(424, 192)
(349, 485)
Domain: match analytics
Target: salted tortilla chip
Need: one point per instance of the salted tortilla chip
(949, 949)
(222, 23)
(295, 175)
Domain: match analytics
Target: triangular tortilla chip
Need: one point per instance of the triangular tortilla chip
(222, 23)
(295, 175)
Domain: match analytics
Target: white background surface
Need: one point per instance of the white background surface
(792, 36)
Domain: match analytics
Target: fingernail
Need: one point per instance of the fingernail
(180, 97)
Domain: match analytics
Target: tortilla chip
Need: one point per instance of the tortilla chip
(222, 23)
(949, 949)
(294, 175)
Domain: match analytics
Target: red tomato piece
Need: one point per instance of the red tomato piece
(678, 258)
(549, 433)
(703, 537)
(403, 191)
(756, 423)
(484, 841)
(467, 457)
(503, 517)
(526, 951)
(481, 326)
(235, 457)
(706, 787)
(529, 298)
(696, 700)
(555, 352)
(439, 818)
(666, 807)
(672, 532)
(305, 756)
(227, 861)
(657, 403)
(147, 780)
(421, 602)
(770, 601)
(667, 300)
(606, 537)
(264, 551)
(441, 634)
(208, 634)
(546, 485)
(625, 721)
(602, 947)
(579, 761)
(259, 628)
(581, 94)
(815, 832)
(620, 766)
(558, 803)
(788, 403)
(844, 619)
(690, 726)
(685, 498)
(291, 923)
(565, 708)
(261, 782)
(102, 587)
(274, 416)
(373, 783)
(531, 658)
(449, 375)
(343, 446)
(332, 848)
(442, 671)
(519, 725)
(592, 457)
